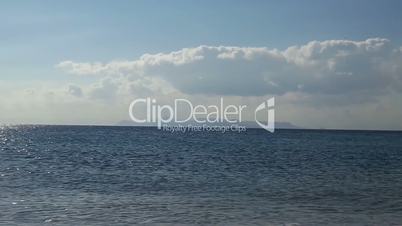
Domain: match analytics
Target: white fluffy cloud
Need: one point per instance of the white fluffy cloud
(334, 67)
(74, 90)
(330, 84)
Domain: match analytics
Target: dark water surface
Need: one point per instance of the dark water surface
(81, 175)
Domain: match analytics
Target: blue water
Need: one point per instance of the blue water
(80, 175)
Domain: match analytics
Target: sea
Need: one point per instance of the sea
(105, 175)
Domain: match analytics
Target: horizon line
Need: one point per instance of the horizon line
(151, 126)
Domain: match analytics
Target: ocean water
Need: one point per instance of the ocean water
(83, 175)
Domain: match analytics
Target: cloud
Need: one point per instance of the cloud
(74, 90)
(105, 89)
(330, 84)
(334, 67)
(56, 103)
(81, 68)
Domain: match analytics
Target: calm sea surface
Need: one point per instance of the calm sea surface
(82, 175)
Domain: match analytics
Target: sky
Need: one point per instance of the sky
(330, 64)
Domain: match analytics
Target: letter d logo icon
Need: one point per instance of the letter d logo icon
(267, 106)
